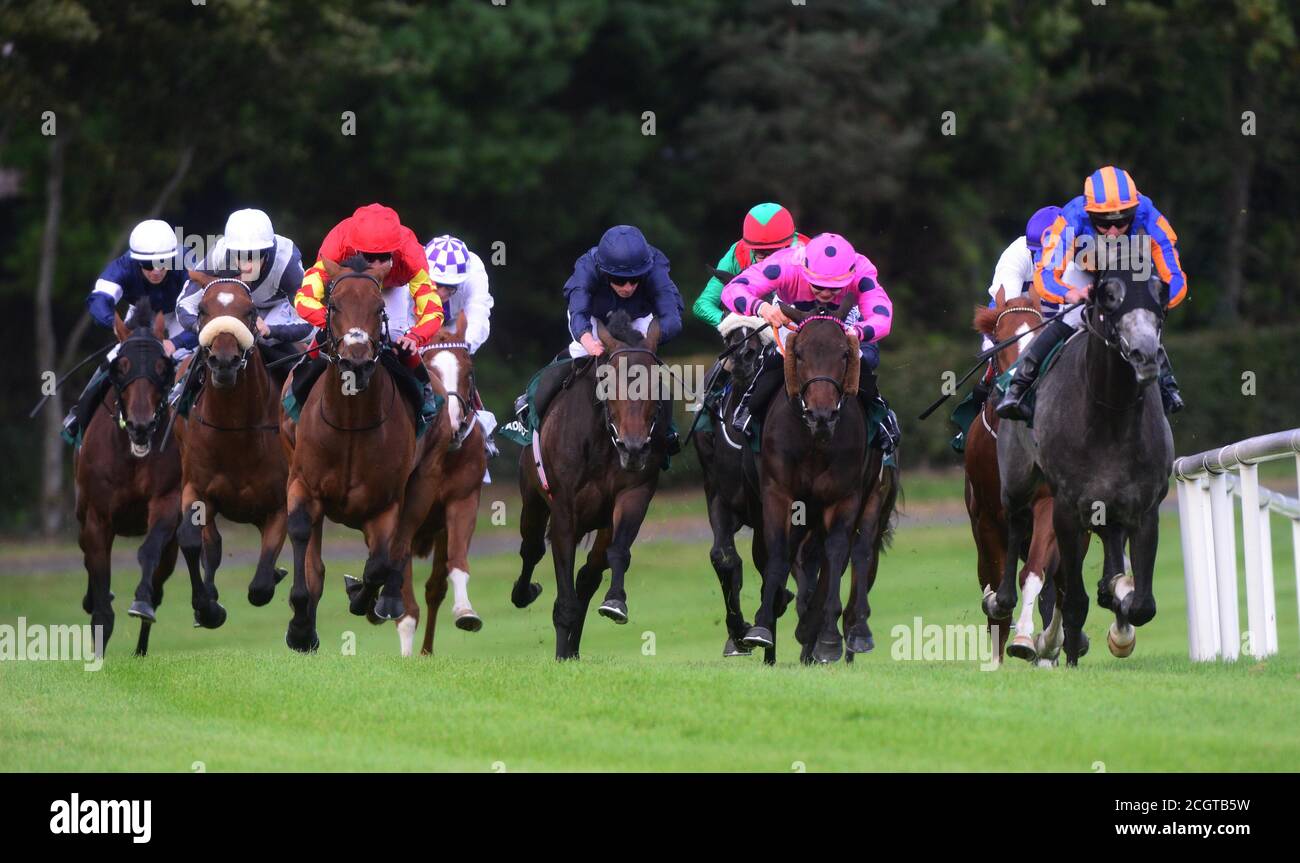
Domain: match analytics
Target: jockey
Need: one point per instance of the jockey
(1109, 207)
(804, 276)
(147, 269)
(395, 257)
(269, 264)
(462, 284)
(767, 228)
(623, 272)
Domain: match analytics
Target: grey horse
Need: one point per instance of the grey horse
(1101, 441)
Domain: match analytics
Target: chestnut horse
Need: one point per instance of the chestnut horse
(594, 466)
(454, 470)
(352, 457)
(988, 521)
(128, 484)
(232, 463)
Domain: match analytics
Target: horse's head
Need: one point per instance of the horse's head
(745, 359)
(821, 365)
(355, 322)
(141, 374)
(629, 387)
(447, 359)
(1006, 319)
(227, 322)
(1128, 312)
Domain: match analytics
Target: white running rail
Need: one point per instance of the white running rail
(1206, 515)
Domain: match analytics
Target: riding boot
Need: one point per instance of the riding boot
(888, 433)
(79, 417)
(671, 438)
(1169, 394)
(1013, 406)
(769, 376)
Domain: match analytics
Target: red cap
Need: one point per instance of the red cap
(375, 229)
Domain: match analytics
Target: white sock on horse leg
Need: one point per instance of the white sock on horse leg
(406, 633)
(1029, 598)
(460, 585)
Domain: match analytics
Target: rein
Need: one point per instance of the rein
(329, 349)
(138, 348)
(604, 403)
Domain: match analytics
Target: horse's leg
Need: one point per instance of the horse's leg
(729, 569)
(460, 519)
(380, 565)
(841, 525)
(776, 530)
(189, 533)
(1140, 605)
(1032, 579)
(435, 590)
(532, 547)
(165, 566)
(810, 602)
(410, 619)
(589, 576)
(1001, 604)
(758, 556)
(564, 541)
(1070, 542)
(863, 560)
(164, 515)
(301, 525)
(261, 589)
(96, 540)
(629, 511)
(211, 614)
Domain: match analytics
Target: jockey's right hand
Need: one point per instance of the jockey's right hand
(591, 344)
(407, 345)
(1076, 295)
(262, 329)
(772, 313)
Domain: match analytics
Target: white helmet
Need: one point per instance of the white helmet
(249, 231)
(448, 260)
(153, 240)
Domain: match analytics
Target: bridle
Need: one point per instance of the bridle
(614, 436)
(243, 359)
(329, 348)
(143, 351)
(468, 413)
(800, 405)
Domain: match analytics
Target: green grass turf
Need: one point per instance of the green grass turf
(238, 699)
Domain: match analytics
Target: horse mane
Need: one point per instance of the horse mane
(356, 263)
(141, 316)
(620, 327)
(986, 318)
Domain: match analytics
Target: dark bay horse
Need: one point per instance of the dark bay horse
(232, 462)
(817, 474)
(127, 483)
(1005, 320)
(1103, 444)
(454, 470)
(352, 455)
(600, 457)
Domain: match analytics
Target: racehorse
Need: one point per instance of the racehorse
(454, 470)
(352, 457)
(1000, 322)
(127, 483)
(594, 466)
(232, 463)
(817, 474)
(1106, 450)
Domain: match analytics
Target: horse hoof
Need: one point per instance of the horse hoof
(614, 609)
(1084, 644)
(259, 597)
(88, 606)
(1022, 647)
(389, 608)
(280, 574)
(783, 601)
(309, 643)
(522, 597)
(732, 649)
(859, 644)
(848, 656)
(992, 609)
(210, 616)
(142, 610)
(467, 620)
(827, 652)
(758, 636)
(351, 585)
(1121, 644)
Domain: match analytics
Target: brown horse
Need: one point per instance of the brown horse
(232, 463)
(352, 457)
(1002, 321)
(596, 468)
(128, 484)
(454, 470)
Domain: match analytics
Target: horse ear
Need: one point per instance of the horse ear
(1001, 298)
(842, 310)
(332, 268)
(652, 335)
(792, 313)
(160, 327)
(853, 373)
(200, 278)
(610, 343)
(119, 328)
(791, 369)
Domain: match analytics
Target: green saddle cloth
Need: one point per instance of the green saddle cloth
(962, 416)
(1001, 382)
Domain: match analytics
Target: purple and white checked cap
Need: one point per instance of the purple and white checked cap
(448, 260)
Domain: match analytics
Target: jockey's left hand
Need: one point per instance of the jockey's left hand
(168, 347)
(407, 345)
(262, 329)
(772, 313)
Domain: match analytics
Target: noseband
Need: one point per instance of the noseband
(614, 436)
(143, 351)
(243, 358)
(838, 383)
(329, 350)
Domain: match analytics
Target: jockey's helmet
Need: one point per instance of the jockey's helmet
(624, 253)
(448, 260)
(829, 261)
(375, 229)
(1109, 190)
(249, 231)
(153, 240)
(768, 226)
(1038, 224)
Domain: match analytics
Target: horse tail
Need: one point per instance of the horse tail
(891, 505)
